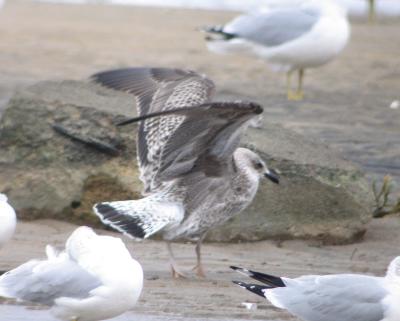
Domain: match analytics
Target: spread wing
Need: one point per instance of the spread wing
(156, 90)
(205, 139)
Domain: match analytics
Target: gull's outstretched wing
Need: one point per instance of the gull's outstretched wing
(156, 90)
(205, 139)
(273, 28)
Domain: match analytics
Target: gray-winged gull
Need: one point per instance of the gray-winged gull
(95, 278)
(195, 177)
(344, 297)
(8, 220)
(289, 38)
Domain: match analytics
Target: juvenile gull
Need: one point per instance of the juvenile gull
(290, 38)
(95, 278)
(8, 220)
(344, 297)
(195, 177)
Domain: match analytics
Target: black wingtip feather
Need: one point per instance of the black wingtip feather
(255, 288)
(126, 224)
(270, 280)
(254, 107)
(219, 30)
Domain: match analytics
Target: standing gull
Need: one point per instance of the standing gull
(344, 297)
(293, 38)
(8, 220)
(194, 174)
(95, 278)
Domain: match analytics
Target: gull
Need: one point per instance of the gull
(194, 174)
(344, 297)
(289, 38)
(8, 220)
(95, 278)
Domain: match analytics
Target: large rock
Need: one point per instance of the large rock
(60, 153)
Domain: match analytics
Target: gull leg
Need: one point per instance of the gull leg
(288, 85)
(371, 15)
(300, 93)
(199, 266)
(176, 272)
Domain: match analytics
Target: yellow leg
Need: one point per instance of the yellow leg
(372, 15)
(298, 94)
(289, 85)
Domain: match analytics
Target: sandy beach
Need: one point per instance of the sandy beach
(215, 298)
(346, 105)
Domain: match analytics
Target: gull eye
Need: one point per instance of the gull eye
(259, 165)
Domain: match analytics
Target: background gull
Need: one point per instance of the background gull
(95, 278)
(8, 220)
(290, 38)
(194, 175)
(345, 297)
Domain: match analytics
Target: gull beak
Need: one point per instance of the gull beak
(272, 175)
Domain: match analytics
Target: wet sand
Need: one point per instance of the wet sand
(20, 313)
(216, 298)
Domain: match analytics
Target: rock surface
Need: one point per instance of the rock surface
(60, 153)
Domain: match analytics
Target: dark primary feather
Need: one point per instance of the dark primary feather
(255, 288)
(122, 221)
(197, 135)
(157, 89)
(154, 86)
(270, 280)
(219, 30)
(205, 140)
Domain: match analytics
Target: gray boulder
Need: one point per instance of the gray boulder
(60, 153)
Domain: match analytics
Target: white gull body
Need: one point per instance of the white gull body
(344, 297)
(95, 278)
(8, 220)
(289, 38)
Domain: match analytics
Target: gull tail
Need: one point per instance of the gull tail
(139, 218)
(219, 32)
(255, 288)
(270, 280)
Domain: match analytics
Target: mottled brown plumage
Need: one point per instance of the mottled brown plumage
(194, 174)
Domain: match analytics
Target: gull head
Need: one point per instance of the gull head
(255, 164)
(394, 269)
(3, 197)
